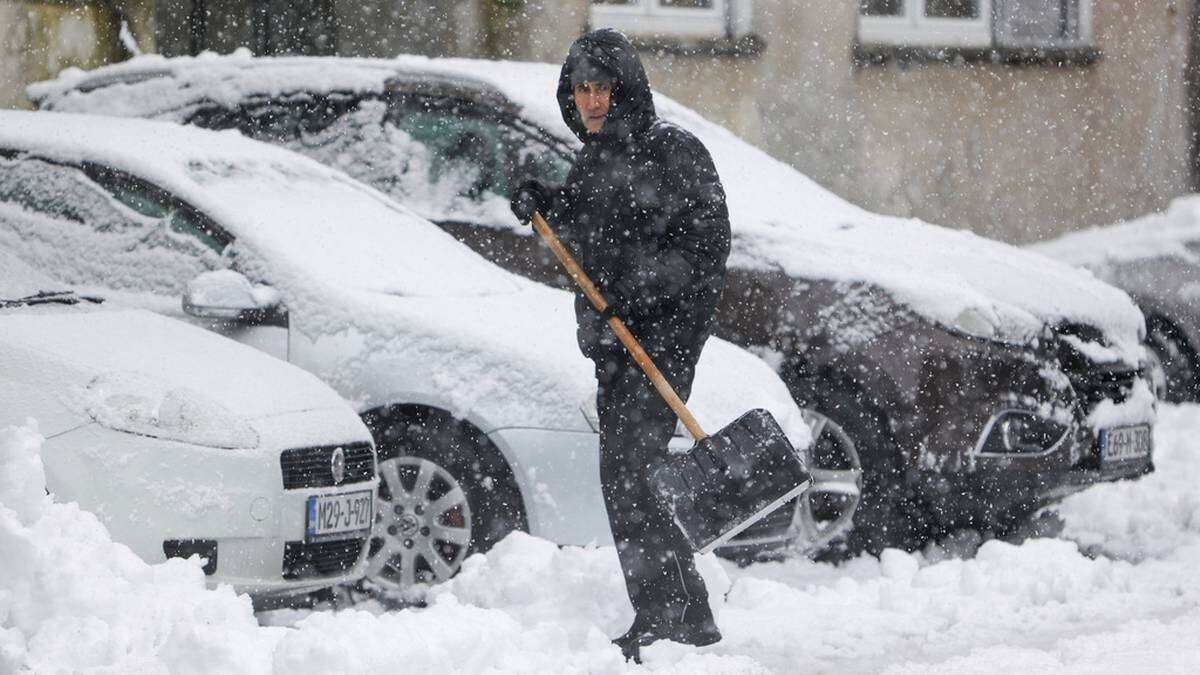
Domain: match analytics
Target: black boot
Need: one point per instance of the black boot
(700, 633)
(630, 643)
(630, 646)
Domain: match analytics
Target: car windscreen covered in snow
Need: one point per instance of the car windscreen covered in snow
(314, 218)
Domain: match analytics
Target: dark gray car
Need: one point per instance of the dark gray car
(979, 382)
(1156, 260)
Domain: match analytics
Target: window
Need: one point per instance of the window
(478, 151)
(89, 229)
(976, 24)
(926, 23)
(675, 18)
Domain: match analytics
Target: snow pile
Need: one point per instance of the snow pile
(781, 218)
(1155, 517)
(1171, 233)
(72, 600)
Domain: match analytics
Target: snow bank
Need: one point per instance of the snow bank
(1155, 517)
(70, 599)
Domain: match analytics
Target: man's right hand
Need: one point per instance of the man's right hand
(530, 196)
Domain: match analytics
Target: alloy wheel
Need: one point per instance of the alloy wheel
(422, 529)
(827, 509)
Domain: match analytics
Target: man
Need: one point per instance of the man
(645, 213)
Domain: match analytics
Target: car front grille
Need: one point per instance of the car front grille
(313, 467)
(305, 560)
(1103, 383)
(1093, 381)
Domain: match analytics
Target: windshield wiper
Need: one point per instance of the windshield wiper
(49, 297)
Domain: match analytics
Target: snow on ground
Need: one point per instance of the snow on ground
(71, 600)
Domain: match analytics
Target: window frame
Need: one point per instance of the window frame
(106, 177)
(725, 19)
(914, 29)
(470, 107)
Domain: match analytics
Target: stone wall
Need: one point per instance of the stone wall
(40, 39)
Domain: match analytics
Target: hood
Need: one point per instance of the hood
(632, 103)
(511, 360)
(1174, 233)
(144, 354)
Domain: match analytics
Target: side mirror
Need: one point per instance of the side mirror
(227, 295)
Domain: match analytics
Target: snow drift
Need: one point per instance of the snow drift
(70, 600)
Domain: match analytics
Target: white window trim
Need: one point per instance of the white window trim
(649, 17)
(914, 29)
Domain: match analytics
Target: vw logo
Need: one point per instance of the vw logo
(337, 466)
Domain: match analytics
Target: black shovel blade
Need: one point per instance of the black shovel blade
(730, 480)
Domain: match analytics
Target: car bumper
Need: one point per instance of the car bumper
(159, 495)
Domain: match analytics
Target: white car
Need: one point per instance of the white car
(184, 443)
(480, 403)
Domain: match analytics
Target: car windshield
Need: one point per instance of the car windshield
(328, 226)
(49, 297)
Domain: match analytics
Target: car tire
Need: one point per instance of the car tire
(1180, 366)
(444, 494)
(890, 513)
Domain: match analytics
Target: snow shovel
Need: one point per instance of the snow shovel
(727, 481)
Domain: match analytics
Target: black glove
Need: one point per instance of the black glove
(620, 295)
(530, 196)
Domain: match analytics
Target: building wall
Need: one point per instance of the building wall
(40, 39)
(1017, 152)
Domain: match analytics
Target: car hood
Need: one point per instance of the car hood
(781, 219)
(511, 360)
(130, 353)
(1173, 233)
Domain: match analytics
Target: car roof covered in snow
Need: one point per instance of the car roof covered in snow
(272, 198)
(1156, 235)
(781, 219)
(347, 258)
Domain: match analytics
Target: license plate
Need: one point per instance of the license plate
(1125, 443)
(332, 515)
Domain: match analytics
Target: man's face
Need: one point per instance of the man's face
(592, 100)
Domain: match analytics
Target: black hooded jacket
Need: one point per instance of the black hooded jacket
(643, 210)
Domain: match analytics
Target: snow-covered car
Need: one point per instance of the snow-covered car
(1156, 260)
(468, 376)
(185, 443)
(978, 381)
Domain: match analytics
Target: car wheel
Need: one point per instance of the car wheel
(1178, 362)
(827, 509)
(890, 513)
(441, 497)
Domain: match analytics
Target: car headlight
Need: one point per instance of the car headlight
(1018, 432)
(972, 322)
(137, 404)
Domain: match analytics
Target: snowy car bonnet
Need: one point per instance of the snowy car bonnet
(1171, 233)
(780, 218)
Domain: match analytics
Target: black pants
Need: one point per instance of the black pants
(635, 426)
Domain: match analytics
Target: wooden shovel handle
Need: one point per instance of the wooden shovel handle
(635, 348)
